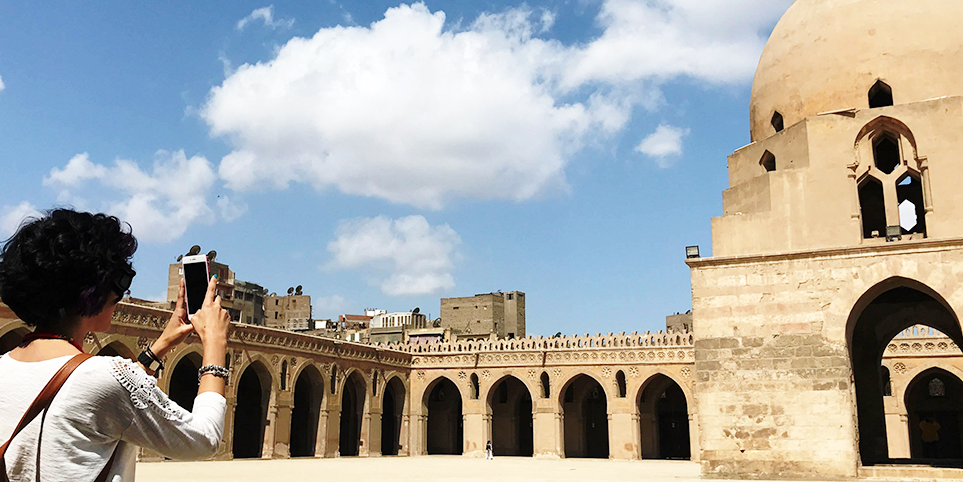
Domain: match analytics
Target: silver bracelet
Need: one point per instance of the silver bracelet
(216, 370)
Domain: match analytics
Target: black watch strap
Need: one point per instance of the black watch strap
(150, 361)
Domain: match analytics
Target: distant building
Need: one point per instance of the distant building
(427, 335)
(408, 319)
(349, 327)
(291, 312)
(249, 302)
(391, 327)
(501, 315)
(679, 322)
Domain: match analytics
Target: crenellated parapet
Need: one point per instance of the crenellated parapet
(647, 339)
(921, 341)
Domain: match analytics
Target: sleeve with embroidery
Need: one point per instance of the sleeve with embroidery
(160, 424)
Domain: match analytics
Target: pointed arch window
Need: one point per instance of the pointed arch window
(777, 122)
(909, 195)
(886, 155)
(885, 381)
(284, 375)
(768, 161)
(474, 386)
(937, 388)
(872, 208)
(891, 181)
(880, 95)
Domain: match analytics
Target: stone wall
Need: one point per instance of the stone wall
(772, 351)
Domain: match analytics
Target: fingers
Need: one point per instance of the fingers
(184, 330)
(180, 297)
(212, 292)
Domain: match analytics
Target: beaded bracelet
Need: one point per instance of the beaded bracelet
(217, 371)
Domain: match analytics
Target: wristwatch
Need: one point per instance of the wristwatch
(150, 361)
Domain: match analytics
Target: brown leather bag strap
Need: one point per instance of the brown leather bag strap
(46, 396)
(41, 403)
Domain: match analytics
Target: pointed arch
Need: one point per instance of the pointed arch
(509, 406)
(934, 413)
(882, 125)
(354, 400)
(393, 401)
(585, 426)
(883, 311)
(664, 408)
(182, 383)
(308, 397)
(253, 392)
(444, 426)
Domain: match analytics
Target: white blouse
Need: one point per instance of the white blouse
(105, 400)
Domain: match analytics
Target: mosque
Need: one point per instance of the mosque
(825, 340)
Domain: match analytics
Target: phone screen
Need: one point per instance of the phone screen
(195, 277)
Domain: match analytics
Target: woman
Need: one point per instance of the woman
(63, 274)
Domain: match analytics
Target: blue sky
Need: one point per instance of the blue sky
(386, 155)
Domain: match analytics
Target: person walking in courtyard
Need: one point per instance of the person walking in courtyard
(63, 275)
(488, 451)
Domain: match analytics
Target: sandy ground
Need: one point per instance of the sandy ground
(420, 469)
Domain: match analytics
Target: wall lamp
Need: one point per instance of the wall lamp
(692, 252)
(894, 233)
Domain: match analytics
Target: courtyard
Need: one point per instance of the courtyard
(420, 469)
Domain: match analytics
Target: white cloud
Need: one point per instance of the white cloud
(11, 217)
(78, 169)
(548, 20)
(403, 111)
(2, 85)
(266, 15)
(712, 40)
(231, 209)
(412, 112)
(410, 256)
(159, 205)
(663, 145)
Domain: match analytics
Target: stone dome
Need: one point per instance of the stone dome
(826, 55)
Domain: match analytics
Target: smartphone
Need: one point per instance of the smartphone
(196, 276)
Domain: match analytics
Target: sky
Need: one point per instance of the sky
(386, 155)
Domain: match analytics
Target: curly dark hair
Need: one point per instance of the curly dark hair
(64, 266)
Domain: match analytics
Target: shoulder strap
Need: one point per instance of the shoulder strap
(41, 403)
